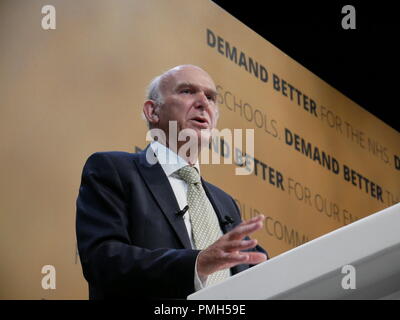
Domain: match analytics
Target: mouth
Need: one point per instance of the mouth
(200, 121)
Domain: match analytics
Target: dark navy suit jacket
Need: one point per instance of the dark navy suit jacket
(131, 242)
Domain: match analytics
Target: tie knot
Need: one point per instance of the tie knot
(189, 175)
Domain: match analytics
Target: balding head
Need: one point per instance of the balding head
(159, 84)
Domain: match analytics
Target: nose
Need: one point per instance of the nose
(201, 100)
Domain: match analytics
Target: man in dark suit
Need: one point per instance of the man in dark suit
(135, 238)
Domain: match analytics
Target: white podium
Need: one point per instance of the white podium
(314, 270)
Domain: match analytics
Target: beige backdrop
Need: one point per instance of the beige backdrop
(78, 89)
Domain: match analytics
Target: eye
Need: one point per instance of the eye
(186, 91)
(211, 97)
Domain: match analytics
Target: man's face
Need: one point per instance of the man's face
(189, 97)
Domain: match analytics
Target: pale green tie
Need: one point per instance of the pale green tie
(203, 219)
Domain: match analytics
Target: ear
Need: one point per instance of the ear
(150, 110)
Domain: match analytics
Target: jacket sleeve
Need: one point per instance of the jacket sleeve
(111, 263)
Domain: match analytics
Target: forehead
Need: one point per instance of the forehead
(193, 76)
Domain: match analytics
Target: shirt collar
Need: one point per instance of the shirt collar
(176, 162)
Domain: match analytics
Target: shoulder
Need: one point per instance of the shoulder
(112, 156)
(110, 167)
(118, 161)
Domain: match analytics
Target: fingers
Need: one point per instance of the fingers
(238, 245)
(246, 228)
(256, 257)
(260, 217)
(236, 258)
(228, 250)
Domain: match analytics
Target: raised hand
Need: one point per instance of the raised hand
(227, 252)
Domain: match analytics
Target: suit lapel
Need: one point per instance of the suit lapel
(158, 184)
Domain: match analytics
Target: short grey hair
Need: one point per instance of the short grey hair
(154, 93)
(154, 90)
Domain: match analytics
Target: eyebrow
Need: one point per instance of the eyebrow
(192, 85)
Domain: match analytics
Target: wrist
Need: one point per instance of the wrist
(200, 279)
(199, 266)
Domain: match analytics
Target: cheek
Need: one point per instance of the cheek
(178, 108)
(214, 114)
(173, 114)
